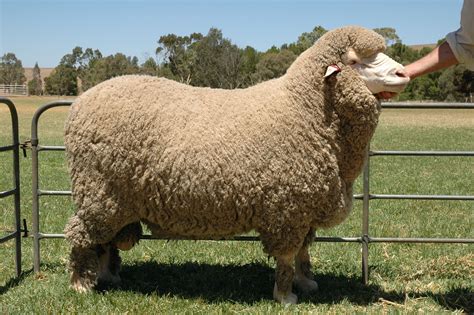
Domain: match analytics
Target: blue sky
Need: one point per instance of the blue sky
(44, 30)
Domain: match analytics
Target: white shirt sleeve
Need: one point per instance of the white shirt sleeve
(462, 40)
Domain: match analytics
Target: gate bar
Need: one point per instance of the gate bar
(420, 197)
(421, 153)
(7, 193)
(401, 105)
(414, 197)
(420, 240)
(54, 192)
(7, 147)
(8, 237)
(51, 148)
(15, 147)
(244, 238)
(324, 239)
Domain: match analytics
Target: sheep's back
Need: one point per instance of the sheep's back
(188, 158)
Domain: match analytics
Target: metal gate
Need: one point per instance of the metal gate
(364, 239)
(37, 192)
(15, 191)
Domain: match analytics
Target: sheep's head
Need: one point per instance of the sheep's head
(362, 49)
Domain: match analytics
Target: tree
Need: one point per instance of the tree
(248, 66)
(64, 78)
(217, 62)
(307, 39)
(422, 88)
(101, 69)
(402, 53)
(273, 50)
(199, 60)
(178, 55)
(467, 85)
(82, 69)
(214, 61)
(456, 84)
(82, 61)
(273, 65)
(62, 81)
(35, 86)
(389, 34)
(11, 70)
(149, 67)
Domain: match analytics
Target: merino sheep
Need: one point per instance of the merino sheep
(279, 158)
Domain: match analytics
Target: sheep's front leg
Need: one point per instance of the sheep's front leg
(284, 274)
(84, 264)
(304, 278)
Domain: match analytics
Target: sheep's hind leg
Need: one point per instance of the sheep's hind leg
(284, 274)
(109, 264)
(109, 258)
(304, 278)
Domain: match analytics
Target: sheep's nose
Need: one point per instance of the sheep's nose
(396, 80)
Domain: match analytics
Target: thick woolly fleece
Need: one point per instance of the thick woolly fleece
(279, 157)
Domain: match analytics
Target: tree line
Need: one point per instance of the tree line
(211, 60)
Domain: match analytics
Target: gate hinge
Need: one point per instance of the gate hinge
(25, 145)
(25, 229)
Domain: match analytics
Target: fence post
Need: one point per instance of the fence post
(35, 204)
(16, 182)
(365, 218)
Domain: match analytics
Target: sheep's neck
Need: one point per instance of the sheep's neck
(348, 126)
(355, 135)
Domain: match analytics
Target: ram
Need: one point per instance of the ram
(279, 158)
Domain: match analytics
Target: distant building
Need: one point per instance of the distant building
(45, 72)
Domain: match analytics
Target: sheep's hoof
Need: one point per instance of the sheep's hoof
(80, 285)
(108, 277)
(284, 298)
(306, 285)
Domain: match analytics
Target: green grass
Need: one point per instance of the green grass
(230, 277)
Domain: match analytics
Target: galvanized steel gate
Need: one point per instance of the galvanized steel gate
(365, 239)
(15, 191)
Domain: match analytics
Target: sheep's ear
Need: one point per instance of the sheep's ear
(332, 69)
(351, 57)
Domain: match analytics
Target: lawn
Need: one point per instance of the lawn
(237, 277)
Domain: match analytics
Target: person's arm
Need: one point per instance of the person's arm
(439, 58)
(458, 48)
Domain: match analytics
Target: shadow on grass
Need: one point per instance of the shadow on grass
(15, 281)
(254, 282)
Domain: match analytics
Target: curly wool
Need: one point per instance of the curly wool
(279, 157)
